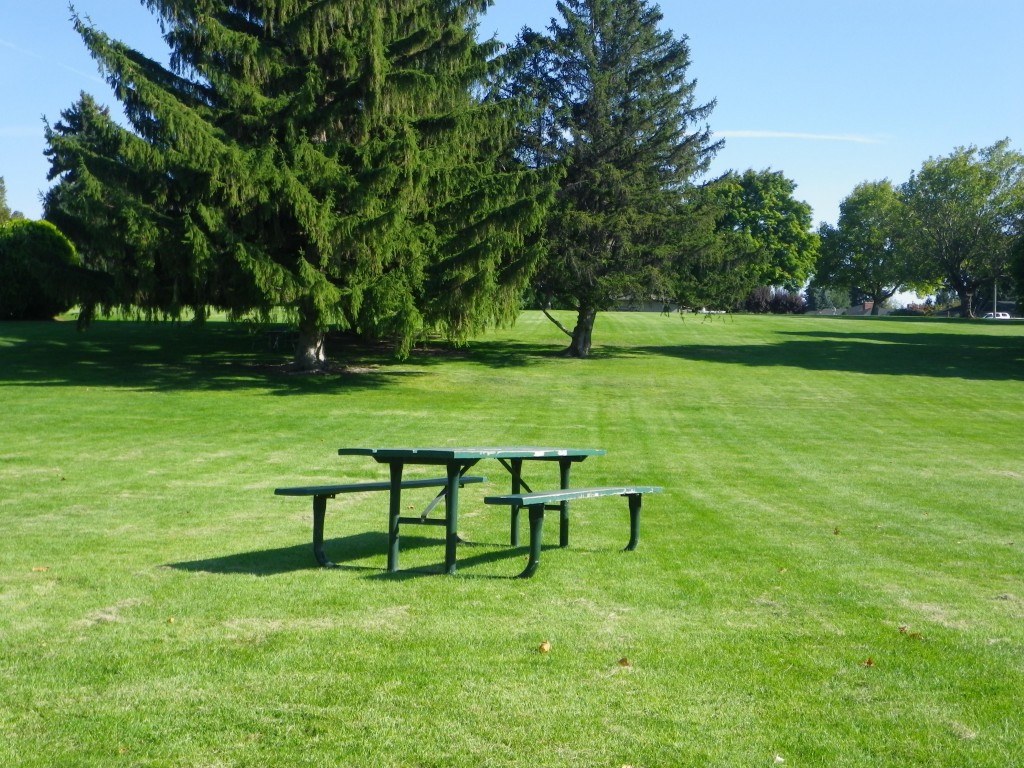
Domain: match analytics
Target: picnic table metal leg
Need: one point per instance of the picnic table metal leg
(563, 517)
(536, 524)
(517, 487)
(634, 521)
(451, 502)
(394, 511)
(319, 512)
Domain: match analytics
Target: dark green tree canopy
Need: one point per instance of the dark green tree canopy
(766, 222)
(614, 110)
(1017, 270)
(331, 157)
(760, 236)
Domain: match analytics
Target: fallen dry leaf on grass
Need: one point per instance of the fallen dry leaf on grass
(544, 647)
(39, 569)
(624, 662)
(905, 630)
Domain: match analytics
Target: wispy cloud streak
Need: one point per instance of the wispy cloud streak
(34, 55)
(841, 137)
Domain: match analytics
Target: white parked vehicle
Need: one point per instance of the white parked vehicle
(996, 316)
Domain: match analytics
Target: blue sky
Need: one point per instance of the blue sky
(830, 92)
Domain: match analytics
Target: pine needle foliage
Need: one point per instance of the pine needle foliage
(336, 158)
(618, 112)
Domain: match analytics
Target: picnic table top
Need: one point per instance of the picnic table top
(465, 454)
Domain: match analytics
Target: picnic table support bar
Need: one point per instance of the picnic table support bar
(319, 512)
(563, 531)
(394, 512)
(634, 521)
(536, 523)
(516, 471)
(451, 501)
(433, 503)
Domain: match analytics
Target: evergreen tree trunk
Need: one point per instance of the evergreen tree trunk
(582, 333)
(309, 347)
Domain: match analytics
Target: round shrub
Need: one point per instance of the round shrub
(37, 271)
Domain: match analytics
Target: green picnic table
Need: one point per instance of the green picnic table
(457, 462)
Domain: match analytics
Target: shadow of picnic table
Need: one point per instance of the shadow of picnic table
(344, 551)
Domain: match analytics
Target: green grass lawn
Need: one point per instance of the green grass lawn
(832, 577)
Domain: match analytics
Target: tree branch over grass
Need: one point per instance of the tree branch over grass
(556, 321)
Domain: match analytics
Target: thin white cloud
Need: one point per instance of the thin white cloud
(34, 55)
(843, 137)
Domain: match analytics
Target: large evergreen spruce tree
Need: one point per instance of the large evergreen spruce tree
(335, 157)
(618, 114)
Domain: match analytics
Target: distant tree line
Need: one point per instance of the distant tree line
(6, 214)
(956, 226)
(376, 168)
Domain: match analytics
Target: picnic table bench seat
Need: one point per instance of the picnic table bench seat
(321, 493)
(539, 501)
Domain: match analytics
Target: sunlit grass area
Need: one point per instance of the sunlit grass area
(832, 577)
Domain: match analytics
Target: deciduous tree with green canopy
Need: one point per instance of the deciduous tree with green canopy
(617, 113)
(965, 217)
(762, 237)
(768, 225)
(335, 157)
(867, 249)
(1017, 270)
